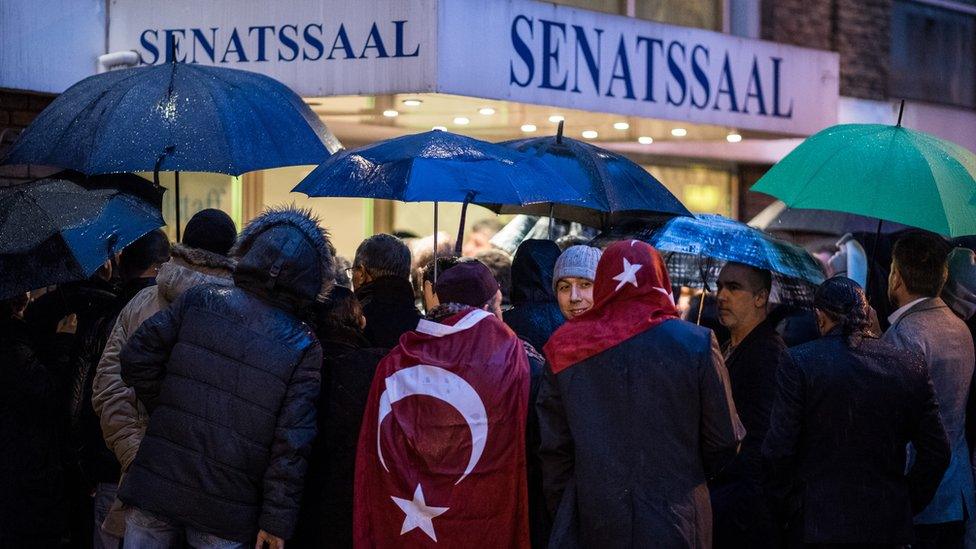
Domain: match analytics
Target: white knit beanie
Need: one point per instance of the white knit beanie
(576, 261)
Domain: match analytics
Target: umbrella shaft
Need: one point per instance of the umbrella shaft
(176, 190)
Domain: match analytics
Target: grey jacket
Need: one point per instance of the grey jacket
(931, 329)
(122, 417)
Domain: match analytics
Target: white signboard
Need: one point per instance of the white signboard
(316, 47)
(546, 54)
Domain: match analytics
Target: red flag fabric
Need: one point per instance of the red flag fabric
(441, 455)
(631, 294)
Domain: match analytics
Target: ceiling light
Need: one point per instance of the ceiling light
(391, 113)
(440, 128)
(462, 121)
(528, 128)
(486, 111)
(412, 102)
(589, 134)
(679, 132)
(733, 137)
(621, 126)
(556, 118)
(645, 140)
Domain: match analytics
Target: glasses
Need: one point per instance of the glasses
(350, 270)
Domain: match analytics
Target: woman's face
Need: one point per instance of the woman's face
(574, 295)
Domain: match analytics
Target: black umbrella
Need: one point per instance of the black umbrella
(54, 231)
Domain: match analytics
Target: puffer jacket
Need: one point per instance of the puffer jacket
(121, 416)
(230, 376)
(534, 315)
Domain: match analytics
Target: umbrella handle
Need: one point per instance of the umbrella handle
(435, 242)
(701, 305)
(464, 213)
(550, 217)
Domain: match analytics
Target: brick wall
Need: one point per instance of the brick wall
(17, 110)
(859, 30)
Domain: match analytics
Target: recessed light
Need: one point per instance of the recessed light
(528, 128)
(733, 137)
(486, 111)
(621, 126)
(645, 140)
(679, 132)
(391, 113)
(412, 102)
(556, 118)
(462, 121)
(440, 128)
(590, 134)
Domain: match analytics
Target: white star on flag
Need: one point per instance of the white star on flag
(419, 515)
(629, 274)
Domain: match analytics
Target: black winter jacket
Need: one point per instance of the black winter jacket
(534, 315)
(32, 505)
(230, 376)
(388, 305)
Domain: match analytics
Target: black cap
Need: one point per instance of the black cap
(211, 230)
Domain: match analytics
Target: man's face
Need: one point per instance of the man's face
(574, 295)
(476, 242)
(495, 307)
(895, 285)
(739, 298)
(358, 276)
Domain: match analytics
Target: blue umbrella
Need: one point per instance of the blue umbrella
(438, 166)
(696, 248)
(54, 231)
(175, 117)
(613, 186)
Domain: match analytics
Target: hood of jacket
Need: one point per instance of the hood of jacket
(285, 256)
(189, 267)
(532, 269)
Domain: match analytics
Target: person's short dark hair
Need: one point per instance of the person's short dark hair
(571, 240)
(404, 235)
(762, 279)
(340, 308)
(383, 255)
(211, 230)
(500, 265)
(844, 302)
(443, 264)
(920, 259)
(489, 225)
(150, 249)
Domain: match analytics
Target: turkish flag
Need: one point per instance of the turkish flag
(441, 456)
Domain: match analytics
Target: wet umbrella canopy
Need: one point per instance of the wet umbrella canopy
(54, 231)
(613, 187)
(778, 217)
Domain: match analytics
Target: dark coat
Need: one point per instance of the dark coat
(230, 377)
(836, 444)
(540, 521)
(348, 366)
(534, 315)
(741, 516)
(629, 437)
(32, 504)
(388, 305)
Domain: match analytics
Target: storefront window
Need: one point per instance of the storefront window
(701, 189)
(933, 54)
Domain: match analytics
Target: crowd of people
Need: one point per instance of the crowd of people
(255, 389)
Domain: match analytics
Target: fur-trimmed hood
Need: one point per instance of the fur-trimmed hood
(286, 255)
(189, 267)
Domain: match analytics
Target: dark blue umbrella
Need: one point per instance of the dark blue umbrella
(778, 217)
(54, 231)
(438, 166)
(696, 248)
(613, 186)
(175, 117)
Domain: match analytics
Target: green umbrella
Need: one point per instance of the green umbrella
(887, 172)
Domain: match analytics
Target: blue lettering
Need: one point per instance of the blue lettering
(374, 41)
(238, 48)
(700, 76)
(776, 111)
(550, 55)
(289, 42)
(262, 40)
(399, 41)
(149, 46)
(341, 36)
(726, 86)
(592, 62)
(523, 51)
(173, 45)
(312, 41)
(621, 62)
(754, 91)
(207, 45)
(649, 61)
(676, 72)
